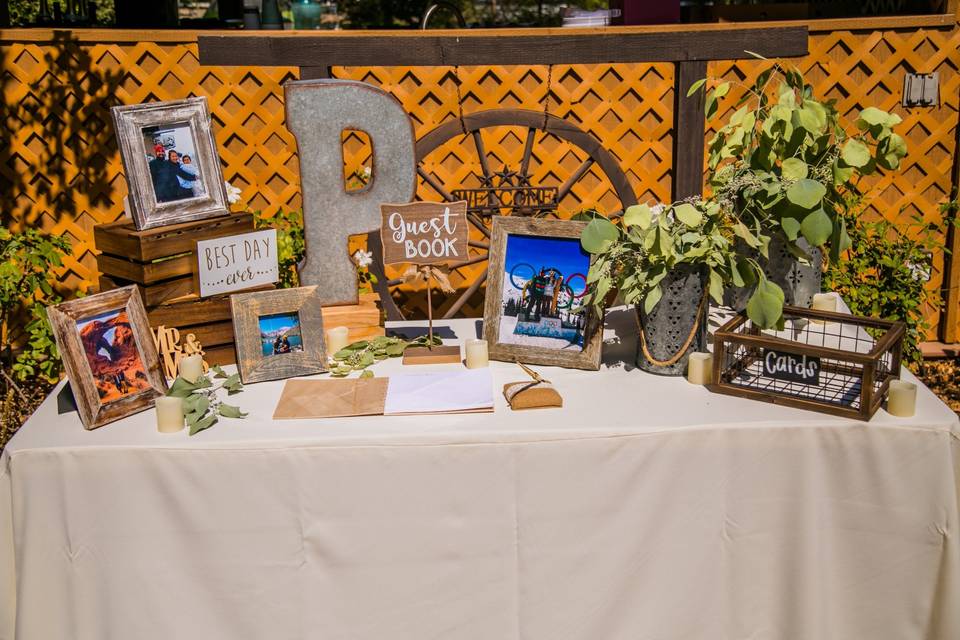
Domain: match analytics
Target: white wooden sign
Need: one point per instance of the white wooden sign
(235, 263)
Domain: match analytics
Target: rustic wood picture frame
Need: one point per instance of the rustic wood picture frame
(504, 226)
(248, 308)
(129, 122)
(64, 319)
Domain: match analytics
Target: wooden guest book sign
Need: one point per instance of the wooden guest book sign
(237, 263)
(792, 367)
(424, 234)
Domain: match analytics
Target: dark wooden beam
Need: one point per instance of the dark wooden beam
(500, 46)
(688, 130)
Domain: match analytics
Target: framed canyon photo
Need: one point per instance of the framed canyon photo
(170, 161)
(109, 355)
(534, 310)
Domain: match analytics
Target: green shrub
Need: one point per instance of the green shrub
(886, 269)
(290, 244)
(27, 262)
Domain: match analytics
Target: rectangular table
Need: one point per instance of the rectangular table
(645, 508)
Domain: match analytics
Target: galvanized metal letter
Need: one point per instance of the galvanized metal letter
(317, 112)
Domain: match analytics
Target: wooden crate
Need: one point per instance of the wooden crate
(159, 261)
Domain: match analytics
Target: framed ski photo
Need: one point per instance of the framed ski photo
(534, 309)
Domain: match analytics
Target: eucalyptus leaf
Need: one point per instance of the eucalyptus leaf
(638, 215)
(816, 227)
(218, 371)
(230, 411)
(806, 193)
(653, 297)
(794, 169)
(396, 350)
(716, 287)
(181, 388)
(366, 373)
(791, 227)
(765, 307)
(688, 214)
(201, 425)
(599, 235)
(855, 153)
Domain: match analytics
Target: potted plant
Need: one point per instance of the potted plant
(666, 261)
(783, 164)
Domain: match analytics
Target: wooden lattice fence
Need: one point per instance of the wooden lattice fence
(60, 170)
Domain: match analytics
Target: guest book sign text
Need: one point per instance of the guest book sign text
(424, 232)
(235, 263)
(783, 365)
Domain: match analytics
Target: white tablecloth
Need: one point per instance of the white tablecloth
(645, 508)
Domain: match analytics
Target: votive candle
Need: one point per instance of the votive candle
(169, 414)
(476, 354)
(700, 368)
(902, 399)
(337, 339)
(824, 302)
(191, 367)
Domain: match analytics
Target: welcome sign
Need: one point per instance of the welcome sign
(239, 262)
(793, 367)
(424, 232)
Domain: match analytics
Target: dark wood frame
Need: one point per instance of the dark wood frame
(247, 308)
(727, 338)
(504, 226)
(129, 122)
(63, 319)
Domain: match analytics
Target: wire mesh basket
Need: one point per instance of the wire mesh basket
(824, 361)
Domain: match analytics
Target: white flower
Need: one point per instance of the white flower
(919, 272)
(363, 258)
(233, 193)
(367, 171)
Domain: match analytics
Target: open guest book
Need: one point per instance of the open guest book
(466, 391)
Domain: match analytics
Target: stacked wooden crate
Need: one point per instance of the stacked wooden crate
(161, 262)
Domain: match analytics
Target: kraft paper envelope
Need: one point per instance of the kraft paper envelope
(335, 398)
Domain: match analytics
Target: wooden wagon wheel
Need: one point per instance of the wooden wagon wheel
(537, 123)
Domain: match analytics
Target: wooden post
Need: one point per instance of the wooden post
(688, 130)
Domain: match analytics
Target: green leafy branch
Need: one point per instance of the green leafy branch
(359, 355)
(783, 162)
(200, 402)
(634, 260)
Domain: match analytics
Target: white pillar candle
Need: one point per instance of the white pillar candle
(902, 400)
(824, 302)
(700, 368)
(169, 414)
(337, 339)
(191, 367)
(476, 354)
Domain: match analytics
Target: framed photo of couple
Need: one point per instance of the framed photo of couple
(534, 311)
(171, 162)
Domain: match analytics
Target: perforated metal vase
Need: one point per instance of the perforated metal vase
(799, 281)
(677, 318)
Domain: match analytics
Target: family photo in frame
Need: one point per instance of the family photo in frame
(170, 161)
(534, 309)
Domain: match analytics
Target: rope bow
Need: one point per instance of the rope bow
(423, 273)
